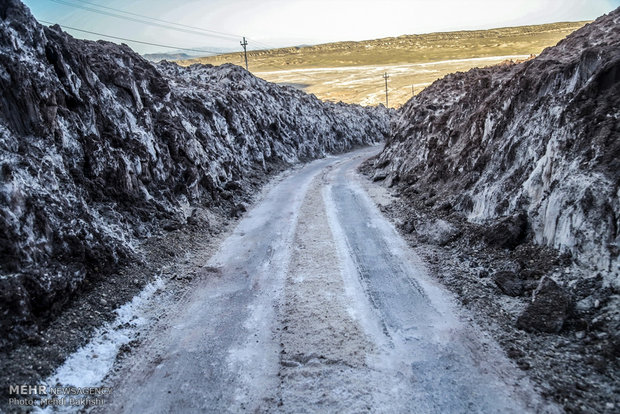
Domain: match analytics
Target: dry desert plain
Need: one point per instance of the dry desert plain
(352, 72)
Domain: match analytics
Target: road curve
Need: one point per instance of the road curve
(315, 304)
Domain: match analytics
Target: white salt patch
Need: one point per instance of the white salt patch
(88, 366)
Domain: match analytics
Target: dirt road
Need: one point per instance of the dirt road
(315, 304)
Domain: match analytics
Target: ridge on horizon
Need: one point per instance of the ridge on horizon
(578, 23)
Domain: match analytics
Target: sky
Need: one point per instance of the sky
(277, 23)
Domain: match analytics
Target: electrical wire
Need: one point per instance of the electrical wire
(235, 36)
(168, 22)
(146, 22)
(164, 24)
(178, 48)
(131, 40)
(167, 25)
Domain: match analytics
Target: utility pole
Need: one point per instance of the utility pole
(245, 52)
(386, 76)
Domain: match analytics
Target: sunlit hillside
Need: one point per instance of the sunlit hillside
(353, 71)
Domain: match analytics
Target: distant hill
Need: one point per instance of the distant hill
(522, 40)
(352, 71)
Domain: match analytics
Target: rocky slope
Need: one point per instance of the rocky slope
(537, 141)
(507, 182)
(99, 149)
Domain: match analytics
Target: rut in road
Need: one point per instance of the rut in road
(323, 356)
(320, 306)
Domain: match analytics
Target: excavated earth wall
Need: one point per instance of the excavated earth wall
(537, 141)
(100, 149)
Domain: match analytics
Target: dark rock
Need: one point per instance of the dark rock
(530, 274)
(409, 226)
(445, 206)
(379, 176)
(515, 353)
(392, 179)
(508, 232)
(171, 225)
(548, 309)
(523, 364)
(509, 283)
(439, 232)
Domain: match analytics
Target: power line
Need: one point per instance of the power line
(263, 44)
(161, 20)
(132, 40)
(178, 48)
(273, 65)
(264, 64)
(386, 76)
(165, 26)
(245, 52)
(155, 44)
